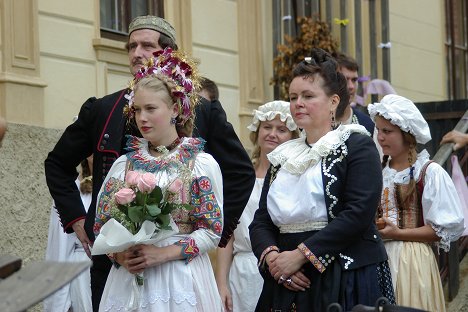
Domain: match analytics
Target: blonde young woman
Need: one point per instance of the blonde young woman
(237, 276)
(419, 204)
(177, 270)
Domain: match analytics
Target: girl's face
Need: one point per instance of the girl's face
(390, 138)
(153, 115)
(310, 105)
(272, 133)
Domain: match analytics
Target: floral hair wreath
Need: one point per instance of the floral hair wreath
(175, 67)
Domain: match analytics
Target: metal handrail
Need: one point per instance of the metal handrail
(446, 149)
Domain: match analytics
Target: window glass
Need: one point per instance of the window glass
(116, 15)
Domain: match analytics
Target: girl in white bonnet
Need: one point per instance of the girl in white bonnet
(419, 204)
(237, 276)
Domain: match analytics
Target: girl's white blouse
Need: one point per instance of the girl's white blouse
(440, 201)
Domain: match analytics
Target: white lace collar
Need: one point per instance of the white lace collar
(295, 156)
(403, 176)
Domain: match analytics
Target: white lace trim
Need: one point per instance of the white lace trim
(445, 237)
(403, 176)
(295, 156)
(116, 304)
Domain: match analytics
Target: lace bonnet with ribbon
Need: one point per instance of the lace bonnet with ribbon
(269, 111)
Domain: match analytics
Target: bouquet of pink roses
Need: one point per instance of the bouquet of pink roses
(143, 200)
(141, 214)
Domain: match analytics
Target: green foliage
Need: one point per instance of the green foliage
(147, 206)
(312, 33)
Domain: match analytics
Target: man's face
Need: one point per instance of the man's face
(141, 45)
(351, 81)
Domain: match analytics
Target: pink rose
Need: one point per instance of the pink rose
(147, 182)
(175, 186)
(132, 178)
(124, 196)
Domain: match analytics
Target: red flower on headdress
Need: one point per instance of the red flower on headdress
(188, 86)
(185, 68)
(178, 94)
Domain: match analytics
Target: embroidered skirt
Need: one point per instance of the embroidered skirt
(348, 288)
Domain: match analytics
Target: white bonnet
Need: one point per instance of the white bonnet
(269, 111)
(402, 113)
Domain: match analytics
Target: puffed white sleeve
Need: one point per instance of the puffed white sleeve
(112, 183)
(441, 206)
(207, 199)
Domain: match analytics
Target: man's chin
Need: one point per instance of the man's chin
(135, 68)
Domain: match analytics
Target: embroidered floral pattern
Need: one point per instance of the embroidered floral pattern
(262, 261)
(143, 161)
(106, 203)
(189, 248)
(348, 259)
(311, 257)
(207, 213)
(326, 168)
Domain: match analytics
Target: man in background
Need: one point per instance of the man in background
(209, 90)
(349, 115)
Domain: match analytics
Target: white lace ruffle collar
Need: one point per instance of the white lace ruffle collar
(295, 156)
(403, 176)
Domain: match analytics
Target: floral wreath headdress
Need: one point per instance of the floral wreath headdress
(175, 67)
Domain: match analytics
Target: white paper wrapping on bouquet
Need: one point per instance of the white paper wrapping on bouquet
(114, 237)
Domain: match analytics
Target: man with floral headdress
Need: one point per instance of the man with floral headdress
(101, 128)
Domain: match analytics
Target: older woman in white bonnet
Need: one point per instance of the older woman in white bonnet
(237, 276)
(419, 204)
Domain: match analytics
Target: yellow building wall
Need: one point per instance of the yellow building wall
(214, 35)
(418, 63)
(75, 63)
(69, 62)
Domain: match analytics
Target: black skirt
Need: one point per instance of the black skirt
(335, 285)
